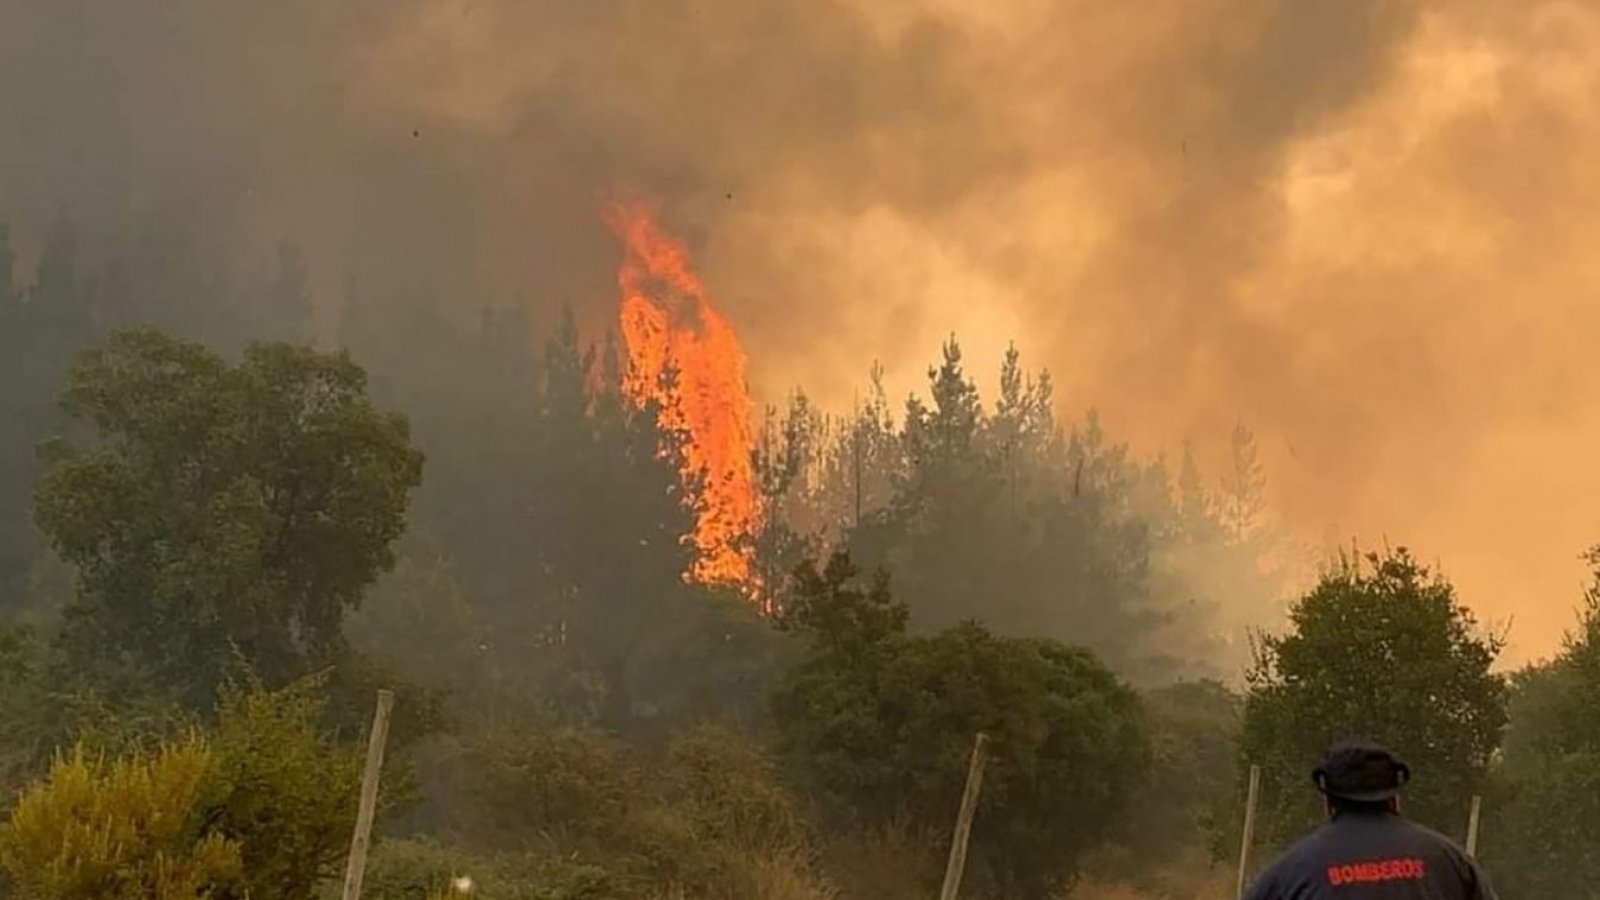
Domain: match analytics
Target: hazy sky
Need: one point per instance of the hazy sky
(1358, 225)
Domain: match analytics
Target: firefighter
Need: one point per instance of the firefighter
(1368, 849)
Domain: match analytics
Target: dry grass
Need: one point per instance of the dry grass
(756, 876)
(1191, 877)
(899, 861)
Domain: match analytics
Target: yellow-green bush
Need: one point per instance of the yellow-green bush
(123, 829)
(283, 790)
(260, 808)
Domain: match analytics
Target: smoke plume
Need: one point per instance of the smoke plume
(1359, 226)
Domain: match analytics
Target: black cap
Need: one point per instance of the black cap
(1360, 771)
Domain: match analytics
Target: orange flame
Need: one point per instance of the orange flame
(668, 321)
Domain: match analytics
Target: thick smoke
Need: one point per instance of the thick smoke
(1359, 226)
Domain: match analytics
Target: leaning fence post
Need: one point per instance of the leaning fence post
(1249, 827)
(1472, 826)
(969, 808)
(362, 839)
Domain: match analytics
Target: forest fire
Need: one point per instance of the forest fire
(669, 325)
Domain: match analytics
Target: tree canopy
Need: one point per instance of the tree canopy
(1546, 806)
(1380, 648)
(217, 510)
(881, 723)
(1003, 514)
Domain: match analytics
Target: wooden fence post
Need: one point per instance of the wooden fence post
(362, 839)
(963, 832)
(1472, 826)
(1249, 835)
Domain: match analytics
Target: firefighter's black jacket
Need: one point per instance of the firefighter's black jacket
(1373, 856)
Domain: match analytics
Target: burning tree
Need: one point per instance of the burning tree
(685, 359)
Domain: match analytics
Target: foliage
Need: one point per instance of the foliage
(24, 707)
(894, 860)
(572, 784)
(122, 829)
(287, 791)
(265, 800)
(224, 509)
(418, 622)
(881, 724)
(42, 325)
(541, 590)
(563, 520)
(419, 869)
(1384, 651)
(1546, 809)
(727, 786)
(1194, 733)
(578, 814)
(842, 619)
(1057, 529)
(998, 506)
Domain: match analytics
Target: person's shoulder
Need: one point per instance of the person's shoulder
(1424, 834)
(1290, 868)
(1440, 847)
(1294, 857)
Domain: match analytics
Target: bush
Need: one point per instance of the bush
(260, 808)
(726, 786)
(571, 814)
(286, 793)
(126, 829)
(504, 789)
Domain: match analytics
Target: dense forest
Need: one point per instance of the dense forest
(218, 537)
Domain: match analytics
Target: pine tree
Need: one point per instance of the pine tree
(41, 329)
(1244, 496)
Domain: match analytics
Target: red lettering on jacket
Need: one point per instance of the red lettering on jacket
(1409, 869)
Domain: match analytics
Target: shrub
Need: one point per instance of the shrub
(285, 792)
(260, 808)
(123, 829)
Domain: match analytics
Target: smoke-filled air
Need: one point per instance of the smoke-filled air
(794, 449)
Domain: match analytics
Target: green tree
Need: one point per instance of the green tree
(607, 536)
(1215, 549)
(1544, 817)
(418, 623)
(1383, 651)
(1006, 518)
(1194, 741)
(562, 523)
(782, 460)
(223, 511)
(880, 724)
